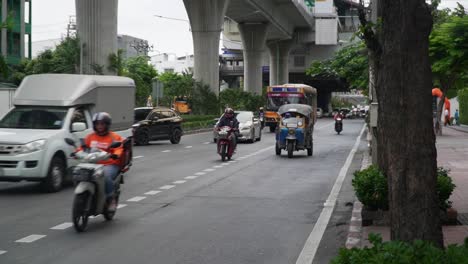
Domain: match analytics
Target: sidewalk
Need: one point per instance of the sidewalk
(452, 153)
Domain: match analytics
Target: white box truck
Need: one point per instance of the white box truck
(51, 107)
(7, 91)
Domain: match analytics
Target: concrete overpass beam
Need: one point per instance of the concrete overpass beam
(253, 39)
(206, 20)
(279, 61)
(97, 30)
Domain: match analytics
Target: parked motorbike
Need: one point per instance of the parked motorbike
(338, 125)
(90, 195)
(225, 146)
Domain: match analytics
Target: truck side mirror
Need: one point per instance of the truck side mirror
(78, 127)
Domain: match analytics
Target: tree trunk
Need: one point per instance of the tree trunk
(405, 120)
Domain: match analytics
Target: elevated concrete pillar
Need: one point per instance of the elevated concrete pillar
(279, 61)
(4, 44)
(206, 20)
(97, 30)
(253, 39)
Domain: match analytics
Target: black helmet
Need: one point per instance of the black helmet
(103, 117)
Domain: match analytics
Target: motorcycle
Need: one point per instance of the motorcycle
(225, 148)
(262, 120)
(90, 196)
(338, 125)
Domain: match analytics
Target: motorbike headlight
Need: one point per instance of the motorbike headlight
(299, 123)
(33, 146)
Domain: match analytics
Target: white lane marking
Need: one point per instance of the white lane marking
(189, 147)
(136, 199)
(206, 143)
(191, 177)
(232, 161)
(152, 192)
(119, 206)
(209, 170)
(166, 151)
(30, 239)
(217, 166)
(313, 241)
(200, 173)
(166, 187)
(62, 226)
(179, 182)
(2, 252)
(94, 216)
(138, 157)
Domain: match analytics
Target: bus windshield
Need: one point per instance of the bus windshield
(274, 103)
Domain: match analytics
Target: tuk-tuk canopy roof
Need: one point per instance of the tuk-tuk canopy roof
(302, 109)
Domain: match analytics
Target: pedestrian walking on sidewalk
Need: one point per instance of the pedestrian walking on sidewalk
(457, 116)
(447, 117)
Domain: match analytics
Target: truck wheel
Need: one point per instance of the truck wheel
(54, 180)
(176, 136)
(142, 137)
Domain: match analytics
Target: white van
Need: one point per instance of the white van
(51, 107)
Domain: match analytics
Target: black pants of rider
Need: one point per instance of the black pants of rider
(234, 140)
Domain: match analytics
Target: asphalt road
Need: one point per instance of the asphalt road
(181, 204)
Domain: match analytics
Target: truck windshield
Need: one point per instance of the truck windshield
(34, 118)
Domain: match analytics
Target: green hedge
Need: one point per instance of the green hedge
(463, 100)
(371, 188)
(397, 252)
(193, 122)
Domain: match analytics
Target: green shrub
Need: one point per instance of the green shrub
(463, 100)
(371, 188)
(445, 187)
(397, 252)
(240, 100)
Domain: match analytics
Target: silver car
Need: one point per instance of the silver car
(249, 127)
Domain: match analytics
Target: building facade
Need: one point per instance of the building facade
(15, 37)
(168, 62)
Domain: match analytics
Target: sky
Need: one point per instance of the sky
(136, 18)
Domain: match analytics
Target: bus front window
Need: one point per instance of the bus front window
(274, 103)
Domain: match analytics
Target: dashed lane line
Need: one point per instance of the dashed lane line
(179, 182)
(3, 252)
(138, 157)
(136, 199)
(200, 173)
(153, 192)
(191, 177)
(209, 170)
(121, 206)
(62, 226)
(30, 239)
(166, 151)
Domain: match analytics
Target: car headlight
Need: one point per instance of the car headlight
(33, 146)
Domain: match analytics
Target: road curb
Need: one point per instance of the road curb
(458, 129)
(198, 131)
(354, 239)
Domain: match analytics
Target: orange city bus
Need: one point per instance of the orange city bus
(278, 95)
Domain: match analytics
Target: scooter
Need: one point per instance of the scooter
(225, 148)
(90, 195)
(338, 125)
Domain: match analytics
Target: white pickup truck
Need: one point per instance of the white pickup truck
(51, 107)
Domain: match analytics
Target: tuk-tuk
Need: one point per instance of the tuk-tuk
(295, 129)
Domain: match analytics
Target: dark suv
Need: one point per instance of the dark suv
(160, 124)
